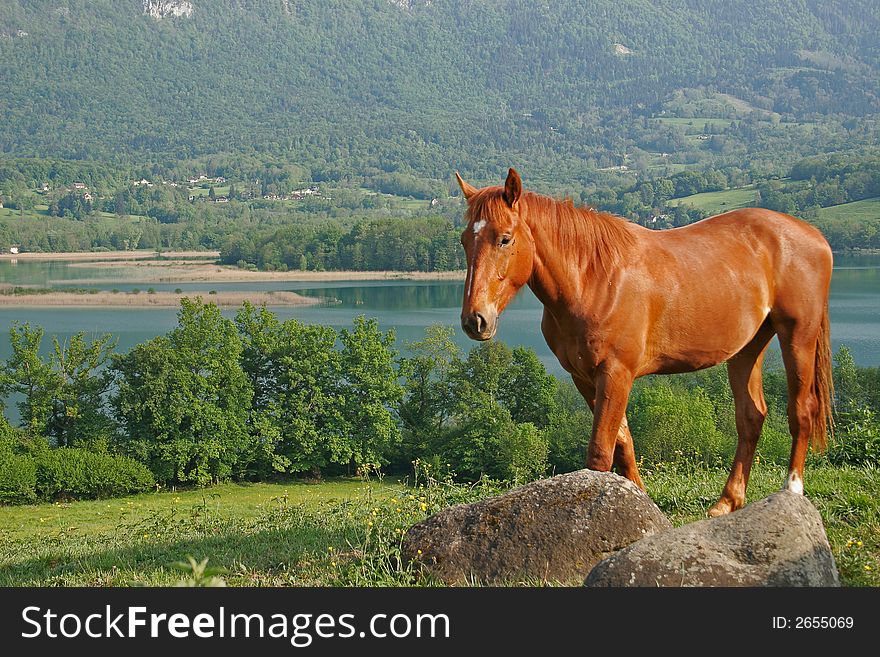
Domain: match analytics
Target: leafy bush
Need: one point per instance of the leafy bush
(17, 478)
(569, 431)
(17, 473)
(83, 474)
(523, 454)
(671, 424)
(473, 445)
(857, 439)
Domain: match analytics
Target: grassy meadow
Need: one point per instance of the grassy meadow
(718, 202)
(347, 532)
(868, 209)
(741, 197)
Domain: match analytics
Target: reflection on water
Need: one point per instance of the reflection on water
(406, 306)
(393, 297)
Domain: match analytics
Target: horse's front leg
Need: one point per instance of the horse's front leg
(624, 453)
(613, 384)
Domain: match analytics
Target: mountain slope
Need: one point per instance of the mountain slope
(341, 85)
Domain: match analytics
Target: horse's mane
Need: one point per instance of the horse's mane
(597, 239)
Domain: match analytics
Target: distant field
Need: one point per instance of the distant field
(696, 122)
(42, 212)
(202, 191)
(718, 202)
(855, 211)
(27, 214)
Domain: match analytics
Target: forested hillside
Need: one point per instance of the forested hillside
(372, 87)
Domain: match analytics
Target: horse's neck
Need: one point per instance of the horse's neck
(563, 279)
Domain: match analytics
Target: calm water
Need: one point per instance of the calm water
(407, 307)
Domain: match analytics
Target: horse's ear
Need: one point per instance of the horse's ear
(466, 189)
(512, 187)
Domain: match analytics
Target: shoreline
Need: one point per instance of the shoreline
(140, 254)
(160, 299)
(180, 272)
(143, 267)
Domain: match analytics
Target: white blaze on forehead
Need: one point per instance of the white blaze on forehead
(795, 484)
(478, 226)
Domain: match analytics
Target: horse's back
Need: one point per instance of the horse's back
(755, 239)
(717, 280)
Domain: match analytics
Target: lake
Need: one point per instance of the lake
(406, 306)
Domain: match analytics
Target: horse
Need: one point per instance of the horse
(622, 301)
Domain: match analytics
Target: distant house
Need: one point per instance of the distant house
(79, 185)
(88, 197)
(13, 250)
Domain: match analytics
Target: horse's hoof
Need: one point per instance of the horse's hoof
(721, 508)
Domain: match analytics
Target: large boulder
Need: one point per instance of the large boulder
(777, 541)
(551, 530)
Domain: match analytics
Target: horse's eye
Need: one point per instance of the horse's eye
(505, 240)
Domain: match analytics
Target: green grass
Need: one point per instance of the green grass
(718, 202)
(697, 123)
(219, 190)
(868, 209)
(9, 213)
(347, 532)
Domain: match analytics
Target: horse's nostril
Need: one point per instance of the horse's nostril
(475, 323)
(480, 323)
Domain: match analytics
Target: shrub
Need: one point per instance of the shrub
(17, 477)
(83, 474)
(671, 424)
(17, 471)
(857, 438)
(523, 454)
(569, 431)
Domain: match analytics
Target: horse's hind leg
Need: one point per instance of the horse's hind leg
(744, 374)
(798, 340)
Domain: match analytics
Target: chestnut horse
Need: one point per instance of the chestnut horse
(621, 301)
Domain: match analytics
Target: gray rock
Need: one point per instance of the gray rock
(552, 530)
(777, 541)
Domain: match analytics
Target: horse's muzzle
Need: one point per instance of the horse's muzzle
(479, 326)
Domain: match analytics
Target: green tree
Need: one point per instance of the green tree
(672, 424)
(62, 395)
(30, 376)
(370, 391)
(183, 399)
(307, 406)
(527, 390)
(427, 403)
(569, 430)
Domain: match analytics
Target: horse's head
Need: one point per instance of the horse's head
(500, 253)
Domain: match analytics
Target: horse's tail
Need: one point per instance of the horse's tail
(823, 388)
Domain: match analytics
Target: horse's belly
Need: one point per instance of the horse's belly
(708, 340)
